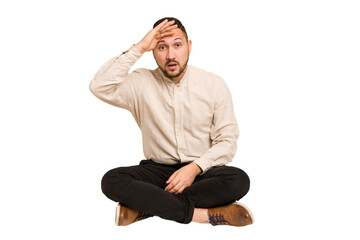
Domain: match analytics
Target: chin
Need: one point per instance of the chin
(173, 75)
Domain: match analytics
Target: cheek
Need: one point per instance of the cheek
(159, 57)
(184, 54)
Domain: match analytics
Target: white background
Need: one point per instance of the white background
(293, 70)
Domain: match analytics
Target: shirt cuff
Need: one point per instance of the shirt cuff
(203, 164)
(132, 53)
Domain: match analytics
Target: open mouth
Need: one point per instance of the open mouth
(172, 65)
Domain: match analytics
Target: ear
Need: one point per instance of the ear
(190, 45)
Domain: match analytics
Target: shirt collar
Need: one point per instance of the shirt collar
(168, 80)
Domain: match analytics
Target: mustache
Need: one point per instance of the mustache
(171, 61)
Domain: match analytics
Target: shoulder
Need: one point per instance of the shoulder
(142, 71)
(201, 76)
(140, 74)
(201, 72)
(147, 73)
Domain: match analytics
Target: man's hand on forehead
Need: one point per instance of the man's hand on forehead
(164, 29)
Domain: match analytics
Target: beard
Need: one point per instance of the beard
(173, 75)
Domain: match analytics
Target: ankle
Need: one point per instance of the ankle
(200, 215)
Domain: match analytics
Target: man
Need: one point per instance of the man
(189, 133)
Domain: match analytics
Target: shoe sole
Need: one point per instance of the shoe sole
(249, 211)
(117, 215)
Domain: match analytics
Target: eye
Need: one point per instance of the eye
(177, 45)
(162, 47)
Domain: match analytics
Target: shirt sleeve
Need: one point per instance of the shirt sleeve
(114, 85)
(224, 132)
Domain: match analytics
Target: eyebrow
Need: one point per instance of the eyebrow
(173, 40)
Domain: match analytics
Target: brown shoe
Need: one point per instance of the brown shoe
(234, 214)
(125, 215)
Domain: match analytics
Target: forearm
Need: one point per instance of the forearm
(140, 48)
(219, 154)
(114, 71)
(108, 78)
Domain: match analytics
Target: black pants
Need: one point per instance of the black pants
(142, 187)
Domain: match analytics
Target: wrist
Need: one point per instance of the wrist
(196, 168)
(140, 48)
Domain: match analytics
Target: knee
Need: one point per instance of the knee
(107, 182)
(111, 182)
(241, 182)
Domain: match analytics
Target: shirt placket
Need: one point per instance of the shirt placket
(179, 130)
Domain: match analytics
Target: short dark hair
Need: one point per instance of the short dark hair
(177, 22)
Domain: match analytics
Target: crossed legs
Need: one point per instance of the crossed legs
(142, 187)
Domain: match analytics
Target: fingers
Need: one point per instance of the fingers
(171, 177)
(175, 185)
(176, 188)
(168, 28)
(164, 24)
(181, 179)
(172, 183)
(182, 188)
(165, 28)
(165, 33)
(172, 187)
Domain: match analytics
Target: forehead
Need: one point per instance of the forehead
(178, 34)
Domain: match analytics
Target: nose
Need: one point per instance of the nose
(170, 53)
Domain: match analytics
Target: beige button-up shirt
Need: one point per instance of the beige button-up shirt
(190, 121)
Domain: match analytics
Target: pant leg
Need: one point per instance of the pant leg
(142, 187)
(218, 186)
